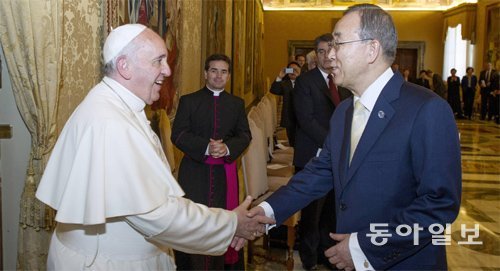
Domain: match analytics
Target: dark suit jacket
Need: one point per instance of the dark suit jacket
(482, 76)
(285, 89)
(473, 83)
(313, 107)
(406, 170)
(423, 82)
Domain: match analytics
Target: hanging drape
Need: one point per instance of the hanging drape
(31, 34)
(53, 54)
(465, 15)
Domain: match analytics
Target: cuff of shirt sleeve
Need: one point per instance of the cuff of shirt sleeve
(359, 259)
(269, 212)
(278, 79)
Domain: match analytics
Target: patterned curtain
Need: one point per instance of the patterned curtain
(53, 54)
(31, 34)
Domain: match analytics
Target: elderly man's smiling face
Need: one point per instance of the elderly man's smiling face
(149, 66)
(349, 52)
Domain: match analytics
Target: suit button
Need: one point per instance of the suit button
(343, 206)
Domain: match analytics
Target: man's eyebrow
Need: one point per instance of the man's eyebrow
(160, 57)
(223, 69)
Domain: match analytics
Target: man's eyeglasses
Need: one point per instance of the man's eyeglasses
(336, 44)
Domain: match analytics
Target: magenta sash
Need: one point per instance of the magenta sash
(231, 256)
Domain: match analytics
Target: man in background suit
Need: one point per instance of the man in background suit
(314, 103)
(469, 83)
(301, 60)
(422, 80)
(384, 157)
(283, 86)
(487, 93)
(495, 87)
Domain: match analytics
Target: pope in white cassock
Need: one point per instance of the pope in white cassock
(118, 205)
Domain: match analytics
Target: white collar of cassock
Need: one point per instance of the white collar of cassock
(216, 92)
(135, 103)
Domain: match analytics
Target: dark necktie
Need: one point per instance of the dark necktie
(333, 90)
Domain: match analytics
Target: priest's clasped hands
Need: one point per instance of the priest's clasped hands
(250, 226)
(217, 148)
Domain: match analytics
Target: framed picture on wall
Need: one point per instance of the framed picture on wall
(296, 47)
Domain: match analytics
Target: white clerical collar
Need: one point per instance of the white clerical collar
(370, 96)
(135, 103)
(216, 92)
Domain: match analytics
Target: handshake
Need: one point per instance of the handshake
(251, 224)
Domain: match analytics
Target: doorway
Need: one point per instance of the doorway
(410, 55)
(407, 59)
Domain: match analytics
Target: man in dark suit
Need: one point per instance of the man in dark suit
(283, 86)
(422, 80)
(487, 93)
(384, 157)
(495, 87)
(315, 98)
(469, 83)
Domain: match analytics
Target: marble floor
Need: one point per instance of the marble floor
(480, 142)
(469, 249)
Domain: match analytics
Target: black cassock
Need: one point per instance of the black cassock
(201, 116)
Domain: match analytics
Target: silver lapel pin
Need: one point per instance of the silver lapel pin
(381, 114)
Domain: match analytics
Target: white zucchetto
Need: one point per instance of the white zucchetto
(120, 37)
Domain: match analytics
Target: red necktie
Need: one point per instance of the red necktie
(333, 90)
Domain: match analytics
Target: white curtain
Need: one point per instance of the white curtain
(30, 34)
(458, 53)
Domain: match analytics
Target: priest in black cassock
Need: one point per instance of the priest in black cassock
(211, 128)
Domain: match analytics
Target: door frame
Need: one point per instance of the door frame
(419, 46)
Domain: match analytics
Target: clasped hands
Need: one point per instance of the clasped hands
(251, 224)
(217, 148)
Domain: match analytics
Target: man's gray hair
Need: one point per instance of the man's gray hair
(377, 24)
(129, 51)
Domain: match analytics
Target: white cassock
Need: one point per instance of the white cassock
(118, 205)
